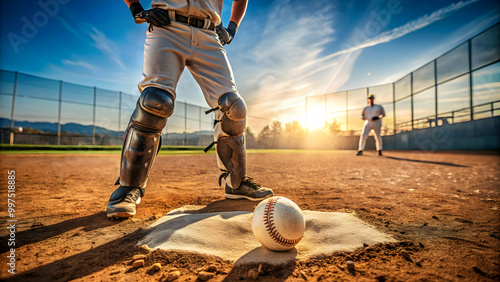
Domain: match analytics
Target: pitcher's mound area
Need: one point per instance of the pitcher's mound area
(229, 235)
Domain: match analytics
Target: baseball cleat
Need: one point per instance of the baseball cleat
(248, 190)
(380, 152)
(125, 206)
(360, 153)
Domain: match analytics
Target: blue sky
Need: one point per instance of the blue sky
(284, 51)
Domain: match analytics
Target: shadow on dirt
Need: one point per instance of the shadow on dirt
(426, 162)
(85, 263)
(226, 206)
(34, 235)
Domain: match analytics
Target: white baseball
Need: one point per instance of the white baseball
(278, 223)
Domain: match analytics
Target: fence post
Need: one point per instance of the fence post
(199, 119)
(119, 114)
(394, 108)
(93, 118)
(185, 123)
(470, 80)
(411, 100)
(435, 92)
(14, 95)
(59, 114)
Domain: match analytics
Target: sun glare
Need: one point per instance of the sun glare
(315, 119)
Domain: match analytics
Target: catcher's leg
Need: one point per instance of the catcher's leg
(231, 151)
(140, 147)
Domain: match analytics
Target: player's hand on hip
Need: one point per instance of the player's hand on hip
(226, 35)
(156, 17)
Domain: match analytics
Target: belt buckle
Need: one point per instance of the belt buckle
(193, 21)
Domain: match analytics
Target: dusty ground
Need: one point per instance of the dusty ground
(443, 207)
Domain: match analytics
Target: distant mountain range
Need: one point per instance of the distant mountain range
(49, 127)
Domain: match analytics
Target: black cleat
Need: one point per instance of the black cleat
(125, 206)
(360, 153)
(380, 152)
(248, 190)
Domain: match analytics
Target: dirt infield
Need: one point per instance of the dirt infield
(442, 207)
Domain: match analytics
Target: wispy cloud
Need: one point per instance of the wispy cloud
(407, 28)
(277, 70)
(79, 63)
(68, 26)
(105, 45)
(455, 38)
(289, 58)
(89, 34)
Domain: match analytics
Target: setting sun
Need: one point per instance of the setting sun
(315, 113)
(315, 119)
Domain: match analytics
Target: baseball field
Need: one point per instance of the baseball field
(441, 207)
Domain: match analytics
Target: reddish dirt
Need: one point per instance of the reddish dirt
(442, 207)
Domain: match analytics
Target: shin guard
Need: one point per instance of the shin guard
(143, 136)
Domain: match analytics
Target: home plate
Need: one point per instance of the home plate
(229, 235)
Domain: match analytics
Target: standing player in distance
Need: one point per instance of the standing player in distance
(372, 115)
(185, 33)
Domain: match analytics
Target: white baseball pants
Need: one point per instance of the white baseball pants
(168, 50)
(369, 126)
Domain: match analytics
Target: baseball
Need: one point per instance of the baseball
(278, 223)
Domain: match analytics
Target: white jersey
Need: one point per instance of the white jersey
(209, 9)
(369, 112)
(376, 125)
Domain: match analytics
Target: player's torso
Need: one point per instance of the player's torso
(211, 9)
(370, 111)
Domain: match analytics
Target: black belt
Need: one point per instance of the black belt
(194, 22)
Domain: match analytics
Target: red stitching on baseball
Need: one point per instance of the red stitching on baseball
(271, 228)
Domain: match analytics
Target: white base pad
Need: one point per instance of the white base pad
(229, 235)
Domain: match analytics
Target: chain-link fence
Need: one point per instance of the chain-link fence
(460, 85)
(35, 110)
